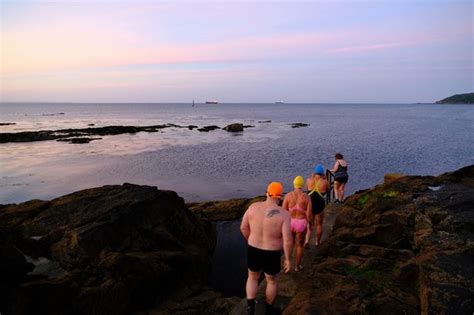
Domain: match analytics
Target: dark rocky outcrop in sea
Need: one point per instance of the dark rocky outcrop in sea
(237, 127)
(208, 128)
(107, 250)
(298, 125)
(7, 124)
(29, 136)
(78, 140)
(79, 135)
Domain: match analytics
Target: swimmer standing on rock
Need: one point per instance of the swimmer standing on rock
(266, 227)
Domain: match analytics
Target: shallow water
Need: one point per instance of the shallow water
(374, 138)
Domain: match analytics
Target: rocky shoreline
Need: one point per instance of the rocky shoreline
(405, 246)
(81, 135)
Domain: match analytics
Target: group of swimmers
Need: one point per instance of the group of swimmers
(307, 208)
(269, 228)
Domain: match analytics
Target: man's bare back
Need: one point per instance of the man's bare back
(265, 221)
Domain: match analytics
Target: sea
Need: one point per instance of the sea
(415, 139)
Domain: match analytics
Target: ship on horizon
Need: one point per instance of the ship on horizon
(212, 102)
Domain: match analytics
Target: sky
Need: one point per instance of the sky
(372, 51)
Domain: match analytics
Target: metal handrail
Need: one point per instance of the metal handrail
(330, 178)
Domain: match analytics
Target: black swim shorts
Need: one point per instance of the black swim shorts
(266, 260)
(318, 203)
(341, 179)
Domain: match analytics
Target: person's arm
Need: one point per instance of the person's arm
(336, 166)
(245, 226)
(309, 212)
(287, 244)
(285, 202)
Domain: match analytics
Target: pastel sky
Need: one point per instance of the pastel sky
(234, 51)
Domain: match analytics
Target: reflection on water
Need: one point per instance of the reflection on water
(229, 262)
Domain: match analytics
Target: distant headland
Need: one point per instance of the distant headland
(467, 98)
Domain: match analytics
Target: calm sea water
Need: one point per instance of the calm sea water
(374, 138)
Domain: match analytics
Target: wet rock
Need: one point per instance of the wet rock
(90, 124)
(208, 128)
(264, 121)
(29, 136)
(78, 140)
(388, 254)
(298, 125)
(7, 124)
(390, 177)
(248, 126)
(237, 127)
(54, 114)
(225, 210)
(121, 248)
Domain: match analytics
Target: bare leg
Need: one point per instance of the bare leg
(252, 285)
(336, 190)
(299, 248)
(308, 234)
(341, 192)
(271, 290)
(319, 227)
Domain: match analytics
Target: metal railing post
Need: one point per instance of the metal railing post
(330, 179)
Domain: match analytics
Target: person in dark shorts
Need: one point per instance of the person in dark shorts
(317, 186)
(340, 177)
(266, 227)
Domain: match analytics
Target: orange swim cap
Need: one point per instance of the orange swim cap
(275, 190)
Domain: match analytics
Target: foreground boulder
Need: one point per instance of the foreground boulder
(114, 249)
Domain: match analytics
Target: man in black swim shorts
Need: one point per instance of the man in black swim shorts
(266, 227)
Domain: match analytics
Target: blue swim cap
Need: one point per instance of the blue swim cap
(319, 169)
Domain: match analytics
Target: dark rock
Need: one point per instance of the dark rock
(225, 210)
(55, 114)
(234, 127)
(388, 254)
(176, 126)
(29, 136)
(7, 124)
(298, 125)
(209, 128)
(78, 140)
(122, 248)
(264, 121)
(248, 126)
(191, 127)
(90, 124)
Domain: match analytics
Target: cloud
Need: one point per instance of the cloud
(365, 48)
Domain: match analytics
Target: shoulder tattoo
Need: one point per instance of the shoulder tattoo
(273, 212)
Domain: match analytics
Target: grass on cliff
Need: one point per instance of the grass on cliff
(390, 194)
(375, 197)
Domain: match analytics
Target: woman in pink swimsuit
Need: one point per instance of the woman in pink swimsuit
(298, 204)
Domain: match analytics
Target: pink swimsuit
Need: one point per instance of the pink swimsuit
(298, 225)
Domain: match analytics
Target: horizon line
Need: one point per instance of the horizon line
(203, 103)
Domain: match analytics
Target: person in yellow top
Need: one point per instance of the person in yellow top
(317, 186)
(298, 204)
